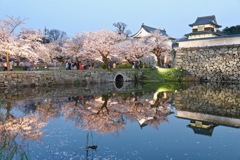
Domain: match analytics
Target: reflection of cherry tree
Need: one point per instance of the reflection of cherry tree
(25, 126)
(15, 127)
(106, 113)
(24, 120)
(48, 109)
(95, 115)
(28, 127)
(148, 112)
(103, 116)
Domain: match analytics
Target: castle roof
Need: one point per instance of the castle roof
(205, 20)
(151, 29)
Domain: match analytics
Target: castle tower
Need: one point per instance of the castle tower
(204, 27)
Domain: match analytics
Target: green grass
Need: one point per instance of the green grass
(9, 149)
(124, 66)
(164, 75)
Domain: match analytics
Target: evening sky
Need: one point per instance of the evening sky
(78, 16)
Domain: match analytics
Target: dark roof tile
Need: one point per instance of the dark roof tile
(205, 20)
(151, 29)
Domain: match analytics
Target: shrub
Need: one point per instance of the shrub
(124, 66)
(103, 66)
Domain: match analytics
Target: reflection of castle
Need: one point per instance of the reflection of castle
(203, 128)
(208, 105)
(204, 124)
(144, 121)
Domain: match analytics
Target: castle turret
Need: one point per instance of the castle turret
(204, 27)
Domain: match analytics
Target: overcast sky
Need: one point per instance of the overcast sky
(78, 16)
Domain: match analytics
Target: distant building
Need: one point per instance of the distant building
(204, 27)
(146, 31)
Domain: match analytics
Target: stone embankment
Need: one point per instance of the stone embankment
(62, 77)
(213, 63)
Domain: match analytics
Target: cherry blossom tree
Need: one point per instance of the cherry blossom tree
(27, 43)
(135, 49)
(74, 46)
(103, 44)
(54, 40)
(55, 51)
(7, 36)
(30, 45)
(160, 45)
(7, 28)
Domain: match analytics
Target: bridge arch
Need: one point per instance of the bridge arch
(119, 79)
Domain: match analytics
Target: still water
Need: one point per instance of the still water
(130, 122)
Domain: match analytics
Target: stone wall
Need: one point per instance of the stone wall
(50, 78)
(213, 63)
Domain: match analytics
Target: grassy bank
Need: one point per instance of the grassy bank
(165, 75)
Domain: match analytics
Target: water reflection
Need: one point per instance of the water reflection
(108, 112)
(25, 112)
(105, 109)
(208, 106)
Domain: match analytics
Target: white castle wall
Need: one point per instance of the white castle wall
(214, 41)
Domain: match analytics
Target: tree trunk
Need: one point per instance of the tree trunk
(155, 52)
(7, 61)
(105, 61)
(159, 61)
(106, 98)
(129, 60)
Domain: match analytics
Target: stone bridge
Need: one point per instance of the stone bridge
(9, 79)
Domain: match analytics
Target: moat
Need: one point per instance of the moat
(134, 121)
